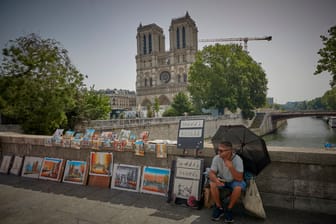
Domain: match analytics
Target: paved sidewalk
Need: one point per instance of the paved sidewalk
(25, 200)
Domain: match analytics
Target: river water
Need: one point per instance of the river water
(306, 132)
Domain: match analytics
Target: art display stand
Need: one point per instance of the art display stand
(188, 179)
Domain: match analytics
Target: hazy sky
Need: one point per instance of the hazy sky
(101, 35)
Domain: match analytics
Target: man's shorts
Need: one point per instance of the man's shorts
(231, 185)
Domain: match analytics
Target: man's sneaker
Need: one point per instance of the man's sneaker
(228, 216)
(217, 213)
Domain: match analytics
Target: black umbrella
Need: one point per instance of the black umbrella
(251, 147)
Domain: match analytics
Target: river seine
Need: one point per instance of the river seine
(302, 132)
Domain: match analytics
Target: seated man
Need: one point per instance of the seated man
(226, 171)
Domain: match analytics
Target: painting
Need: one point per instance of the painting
(139, 149)
(31, 166)
(161, 151)
(51, 169)
(16, 167)
(155, 180)
(87, 138)
(5, 163)
(67, 138)
(57, 137)
(189, 163)
(76, 141)
(101, 163)
(119, 145)
(184, 188)
(144, 136)
(126, 177)
(107, 138)
(188, 173)
(75, 172)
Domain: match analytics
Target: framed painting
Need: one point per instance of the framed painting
(31, 166)
(126, 177)
(188, 163)
(51, 169)
(5, 164)
(155, 180)
(17, 164)
(161, 150)
(184, 188)
(75, 172)
(139, 148)
(101, 163)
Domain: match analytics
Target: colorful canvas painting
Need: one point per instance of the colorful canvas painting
(95, 143)
(144, 136)
(155, 180)
(5, 163)
(120, 145)
(51, 169)
(126, 177)
(31, 166)
(67, 138)
(76, 141)
(87, 138)
(107, 138)
(16, 167)
(124, 135)
(57, 137)
(75, 172)
(101, 163)
(161, 150)
(139, 148)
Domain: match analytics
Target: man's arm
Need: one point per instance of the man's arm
(213, 178)
(238, 176)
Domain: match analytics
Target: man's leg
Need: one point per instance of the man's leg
(218, 210)
(236, 192)
(214, 191)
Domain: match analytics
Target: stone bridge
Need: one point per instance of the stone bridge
(267, 122)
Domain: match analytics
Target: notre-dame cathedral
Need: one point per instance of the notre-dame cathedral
(162, 74)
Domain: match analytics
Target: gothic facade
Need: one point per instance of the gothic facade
(162, 74)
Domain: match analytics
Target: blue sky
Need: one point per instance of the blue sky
(101, 35)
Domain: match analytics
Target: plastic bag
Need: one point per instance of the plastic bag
(252, 200)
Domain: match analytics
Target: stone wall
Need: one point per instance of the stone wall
(297, 178)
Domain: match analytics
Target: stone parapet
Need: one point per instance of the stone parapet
(297, 178)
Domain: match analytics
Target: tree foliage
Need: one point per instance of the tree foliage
(180, 105)
(40, 88)
(225, 76)
(327, 62)
(329, 99)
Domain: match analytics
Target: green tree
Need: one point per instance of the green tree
(329, 99)
(327, 62)
(225, 76)
(149, 110)
(39, 87)
(156, 106)
(180, 105)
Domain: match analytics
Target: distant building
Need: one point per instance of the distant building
(162, 73)
(121, 99)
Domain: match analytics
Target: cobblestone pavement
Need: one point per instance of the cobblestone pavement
(25, 200)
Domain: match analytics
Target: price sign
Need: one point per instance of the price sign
(191, 134)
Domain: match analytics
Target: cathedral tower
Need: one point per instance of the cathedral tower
(162, 73)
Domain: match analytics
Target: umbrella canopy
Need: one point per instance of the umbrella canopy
(251, 147)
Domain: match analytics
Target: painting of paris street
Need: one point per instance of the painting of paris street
(51, 169)
(126, 177)
(75, 172)
(31, 166)
(155, 180)
(101, 163)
